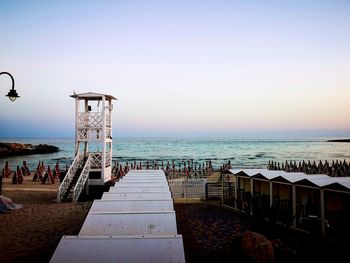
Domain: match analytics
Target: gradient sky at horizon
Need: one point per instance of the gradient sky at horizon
(179, 68)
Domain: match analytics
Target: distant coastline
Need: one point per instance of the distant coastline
(339, 140)
(18, 149)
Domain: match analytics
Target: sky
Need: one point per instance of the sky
(179, 68)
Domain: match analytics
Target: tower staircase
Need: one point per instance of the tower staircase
(75, 179)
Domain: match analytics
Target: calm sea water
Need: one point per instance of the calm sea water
(241, 153)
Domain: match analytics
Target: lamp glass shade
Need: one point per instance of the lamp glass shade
(12, 95)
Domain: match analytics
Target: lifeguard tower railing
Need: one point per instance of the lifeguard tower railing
(63, 188)
(78, 175)
(90, 125)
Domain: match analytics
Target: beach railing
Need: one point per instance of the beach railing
(69, 177)
(96, 160)
(187, 188)
(82, 179)
(92, 119)
(213, 191)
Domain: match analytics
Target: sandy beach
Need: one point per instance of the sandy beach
(210, 232)
(31, 234)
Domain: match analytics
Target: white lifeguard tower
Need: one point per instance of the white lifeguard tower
(92, 165)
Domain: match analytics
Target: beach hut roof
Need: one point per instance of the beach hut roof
(245, 172)
(298, 177)
(339, 183)
(319, 180)
(316, 180)
(92, 96)
(268, 174)
(257, 173)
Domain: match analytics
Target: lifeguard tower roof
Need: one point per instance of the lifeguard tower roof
(92, 96)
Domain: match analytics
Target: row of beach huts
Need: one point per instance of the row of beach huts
(316, 203)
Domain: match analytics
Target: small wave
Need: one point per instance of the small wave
(227, 158)
(62, 158)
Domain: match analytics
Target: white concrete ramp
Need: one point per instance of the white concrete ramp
(137, 196)
(139, 190)
(129, 223)
(143, 178)
(134, 222)
(143, 184)
(111, 249)
(131, 206)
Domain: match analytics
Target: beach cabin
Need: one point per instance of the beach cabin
(257, 191)
(284, 197)
(337, 209)
(323, 204)
(244, 189)
(92, 164)
(264, 195)
(316, 203)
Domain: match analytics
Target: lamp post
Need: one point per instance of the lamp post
(12, 93)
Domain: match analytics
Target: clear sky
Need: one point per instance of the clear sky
(186, 68)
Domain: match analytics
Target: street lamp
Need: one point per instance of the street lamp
(12, 93)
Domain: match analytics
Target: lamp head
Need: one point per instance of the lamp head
(12, 95)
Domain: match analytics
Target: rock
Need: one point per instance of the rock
(283, 253)
(16, 149)
(256, 248)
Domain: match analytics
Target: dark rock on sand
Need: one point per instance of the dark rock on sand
(282, 252)
(16, 149)
(257, 248)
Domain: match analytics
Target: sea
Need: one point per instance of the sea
(242, 153)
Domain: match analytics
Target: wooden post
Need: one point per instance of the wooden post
(294, 199)
(271, 195)
(236, 189)
(76, 125)
(103, 135)
(222, 189)
(110, 108)
(86, 111)
(323, 219)
(252, 195)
